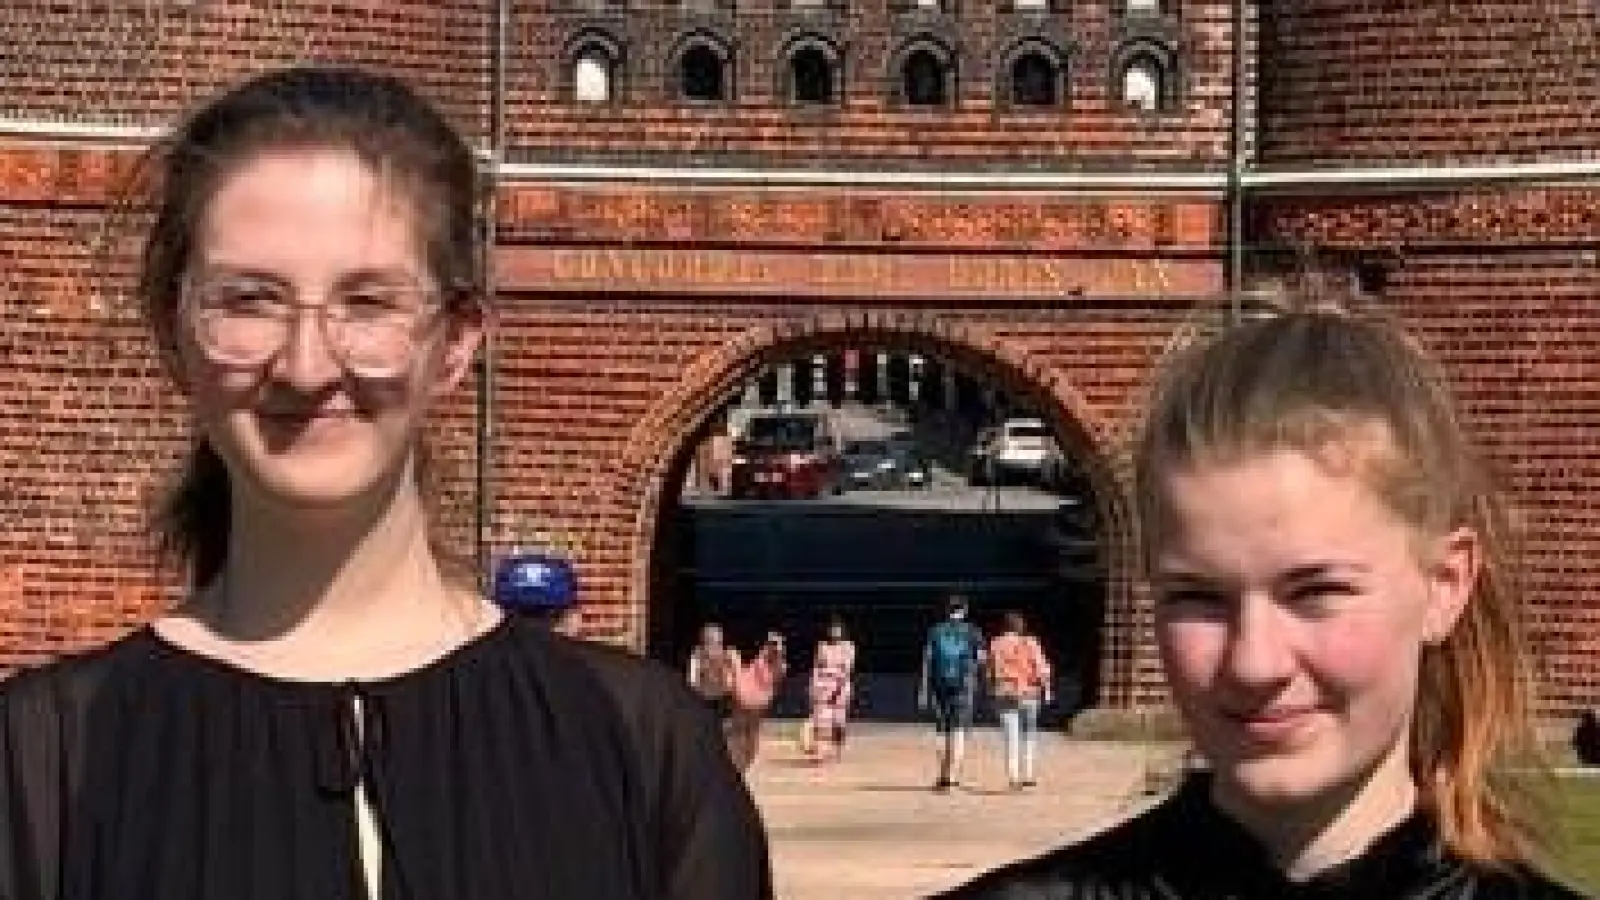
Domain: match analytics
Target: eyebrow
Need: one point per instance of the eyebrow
(233, 271)
(1314, 571)
(388, 276)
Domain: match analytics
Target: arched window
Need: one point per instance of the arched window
(702, 73)
(1035, 80)
(1143, 84)
(925, 78)
(594, 67)
(812, 76)
(593, 73)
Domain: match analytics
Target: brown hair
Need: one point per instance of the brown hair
(376, 118)
(1329, 382)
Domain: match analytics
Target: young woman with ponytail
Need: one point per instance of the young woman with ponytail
(1337, 616)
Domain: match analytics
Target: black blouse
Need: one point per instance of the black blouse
(1186, 849)
(522, 765)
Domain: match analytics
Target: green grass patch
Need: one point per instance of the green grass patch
(1577, 806)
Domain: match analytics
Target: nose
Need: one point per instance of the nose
(307, 362)
(1260, 653)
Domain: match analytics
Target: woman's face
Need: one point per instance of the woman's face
(1292, 610)
(835, 632)
(301, 428)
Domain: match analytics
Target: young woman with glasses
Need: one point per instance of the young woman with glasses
(331, 712)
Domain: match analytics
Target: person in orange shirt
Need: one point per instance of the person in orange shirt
(1020, 682)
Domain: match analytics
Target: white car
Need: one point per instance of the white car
(1014, 449)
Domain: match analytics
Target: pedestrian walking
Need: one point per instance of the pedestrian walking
(333, 709)
(755, 687)
(1020, 684)
(833, 669)
(952, 656)
(713, 670)
(1337, 622)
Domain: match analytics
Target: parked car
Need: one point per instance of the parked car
(786, 456)
(1014, 450)
(884, 465)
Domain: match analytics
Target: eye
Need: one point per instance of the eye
(242, 297)
(1193, 601)
(378, 302)
(1321, 596)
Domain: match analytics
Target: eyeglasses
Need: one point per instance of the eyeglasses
(371, 330)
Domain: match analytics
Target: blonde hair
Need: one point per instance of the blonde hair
(1353, 390)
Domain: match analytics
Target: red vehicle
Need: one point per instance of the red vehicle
(786, 456)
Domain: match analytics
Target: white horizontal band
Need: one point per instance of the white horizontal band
(1267, 180)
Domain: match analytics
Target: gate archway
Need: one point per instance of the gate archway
(661, 444)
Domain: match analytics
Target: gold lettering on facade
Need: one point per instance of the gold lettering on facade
(855, 273)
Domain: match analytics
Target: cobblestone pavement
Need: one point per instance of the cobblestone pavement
(870, 827)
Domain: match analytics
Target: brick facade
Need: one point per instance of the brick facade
(1428, 80)
(631, 308)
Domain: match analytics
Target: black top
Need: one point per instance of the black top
(522, 765)
(1185, 849)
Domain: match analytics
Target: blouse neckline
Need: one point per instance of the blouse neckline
(456, 657)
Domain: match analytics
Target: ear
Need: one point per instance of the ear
(464, 335)
(1454, 566)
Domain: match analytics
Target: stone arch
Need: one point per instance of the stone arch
(596, 44)
(1160, 61)
(702, 48)
(1032, 48)
(660, 438)
(810, 46)
(926, 49)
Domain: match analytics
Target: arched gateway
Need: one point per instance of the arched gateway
(665, 337)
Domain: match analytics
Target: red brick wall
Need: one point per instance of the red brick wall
(86, 430)
(649, 125)
(1501, 286)
(1421, 80)
(144, 63)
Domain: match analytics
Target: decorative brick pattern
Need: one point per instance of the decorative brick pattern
(1428, 80)
(869, 126)
(862, 218)
(144, 63)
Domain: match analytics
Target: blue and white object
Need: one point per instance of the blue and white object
(535, 582)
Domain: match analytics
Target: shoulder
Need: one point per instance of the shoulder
(653, 702)
(1123, 861)
(626, 678)
(68, 686)
(1521, 884)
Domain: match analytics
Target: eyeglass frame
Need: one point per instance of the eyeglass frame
(436, 301)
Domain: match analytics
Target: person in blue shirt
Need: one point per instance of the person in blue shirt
(952, 657)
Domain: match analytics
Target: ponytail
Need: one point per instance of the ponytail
(191, 524)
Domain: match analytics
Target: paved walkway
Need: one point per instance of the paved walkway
(870, 827)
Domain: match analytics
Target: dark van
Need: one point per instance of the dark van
(786, 456)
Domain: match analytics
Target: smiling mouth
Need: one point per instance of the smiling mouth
(295, 425)
(1276, 725)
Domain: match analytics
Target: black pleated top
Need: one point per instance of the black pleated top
(1187, 849)
(522, 765)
